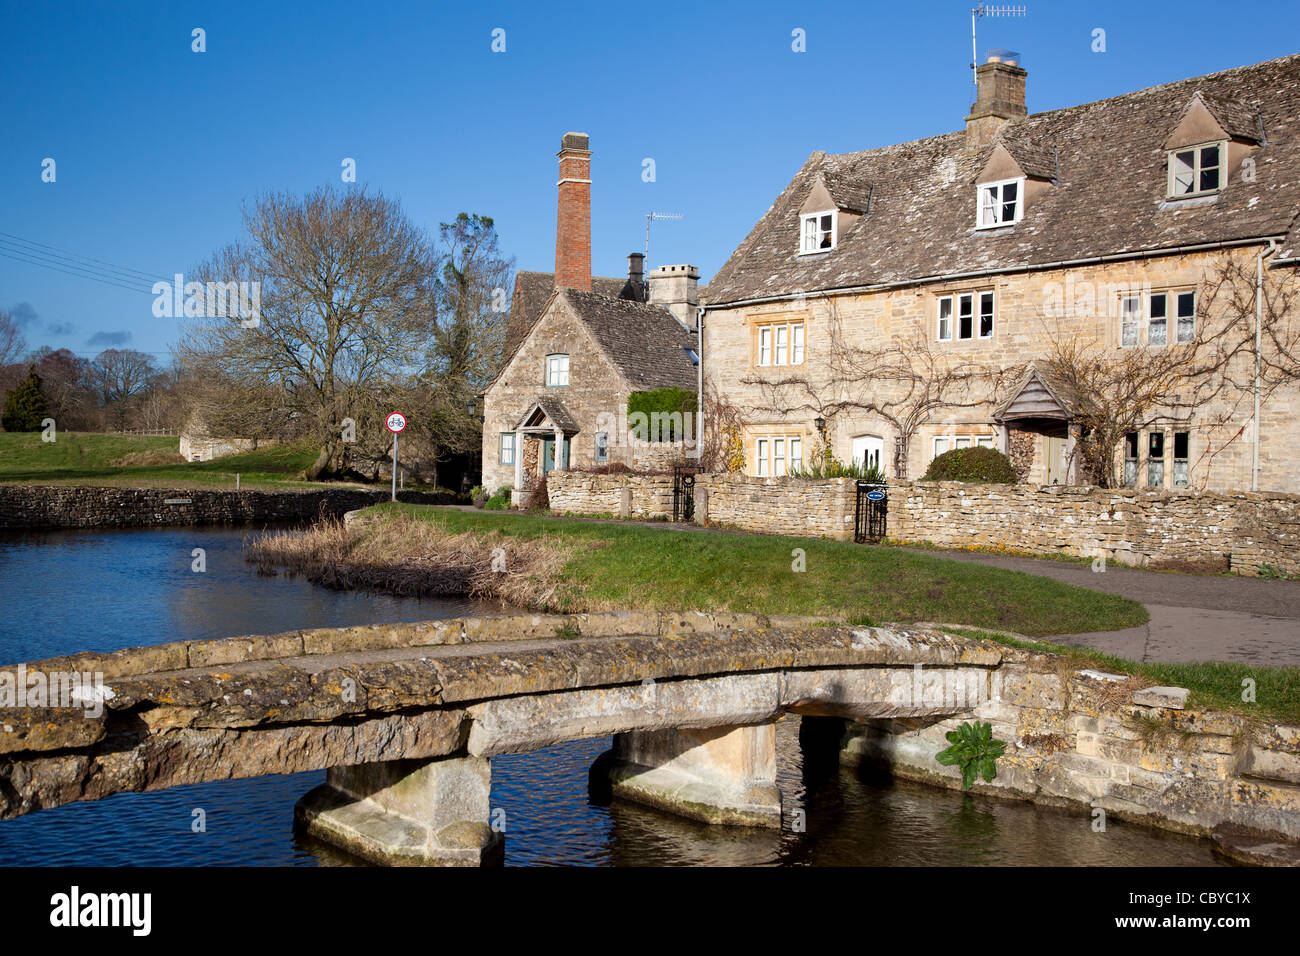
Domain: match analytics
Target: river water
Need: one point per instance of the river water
(71, 591)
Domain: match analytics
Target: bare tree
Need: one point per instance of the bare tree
(121, 375)
(1119, 390)
(12, 342)
(346, 310)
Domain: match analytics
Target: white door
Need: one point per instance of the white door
(867, 450)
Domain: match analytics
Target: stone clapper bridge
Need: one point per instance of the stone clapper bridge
(406, 717)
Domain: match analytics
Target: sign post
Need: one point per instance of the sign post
(396, 422)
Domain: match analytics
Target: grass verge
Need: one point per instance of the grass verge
(90, 458)
(628, 566)
(1213, 684)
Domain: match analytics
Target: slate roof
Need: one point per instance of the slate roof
(533, 289)
(1110, 198)
(646, 342)
(554, 410)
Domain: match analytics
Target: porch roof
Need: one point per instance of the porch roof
(1040, 395)
(544, 416)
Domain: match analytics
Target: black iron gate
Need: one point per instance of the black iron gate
(683, 494)
(871, 512)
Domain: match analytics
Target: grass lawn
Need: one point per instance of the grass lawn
(88, 458)
(617, 565)
(1213, 684)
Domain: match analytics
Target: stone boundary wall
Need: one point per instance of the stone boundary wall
(1236, 530)
(57, 506)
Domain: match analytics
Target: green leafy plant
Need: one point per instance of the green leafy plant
(829, 466)
(972, 464)
(973, 751)
(660, 414)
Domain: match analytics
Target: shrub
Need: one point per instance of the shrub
(499, 501)
(973, 750)
(664, 411)
(972, 464)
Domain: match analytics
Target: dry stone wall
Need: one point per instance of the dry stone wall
(1245, 532)
(37, 506)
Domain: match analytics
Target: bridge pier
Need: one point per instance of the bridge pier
(407, 812)
(717, 775)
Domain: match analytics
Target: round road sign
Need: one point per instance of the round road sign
(396, 422)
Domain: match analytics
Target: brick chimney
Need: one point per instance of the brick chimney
(674, 287)
(573, 221)
(999, 99)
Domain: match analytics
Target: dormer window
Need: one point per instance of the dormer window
(818, 232)
(1000, 203)
(1197, 170)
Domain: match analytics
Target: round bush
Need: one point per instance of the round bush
(972, 464)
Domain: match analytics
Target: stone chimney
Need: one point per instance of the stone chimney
(636, 274)
(999, 99)
(573, 220)
(674, 287)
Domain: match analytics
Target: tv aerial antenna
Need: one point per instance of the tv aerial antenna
(656, 217)
(983, 10)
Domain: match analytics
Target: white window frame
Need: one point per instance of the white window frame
(1197, 169)
(940, 318)
(952, 442)
(977, 320)
(502, 458)
(958, 303)
(996, 206)
(761, 446)
(810, 242)
(778, 457)
(796, 455)
(557, 370)
(1138, 321)
(780, 344)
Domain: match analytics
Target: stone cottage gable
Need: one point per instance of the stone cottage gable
(1102, 170)
(558, 329)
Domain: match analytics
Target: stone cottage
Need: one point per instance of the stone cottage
(578, 346)
(899, 302)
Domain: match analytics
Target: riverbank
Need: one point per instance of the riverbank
(32, 507)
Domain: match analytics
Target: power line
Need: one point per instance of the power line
(65, 253)
(80, 275)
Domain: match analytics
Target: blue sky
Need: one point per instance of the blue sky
(157, 147)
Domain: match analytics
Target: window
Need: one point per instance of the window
(986, 315)
(780, 344)
(1186, 303)
(602, 447)
(1131, 460)
(1182, 449)
(966, 303)
(1156, 460)
(557, 370)
(1196, 171)
(778, 455)
(999, 203)
(507, 448)
(945, 443)
(1130, 319)
(1156, 317)
(818, 232)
